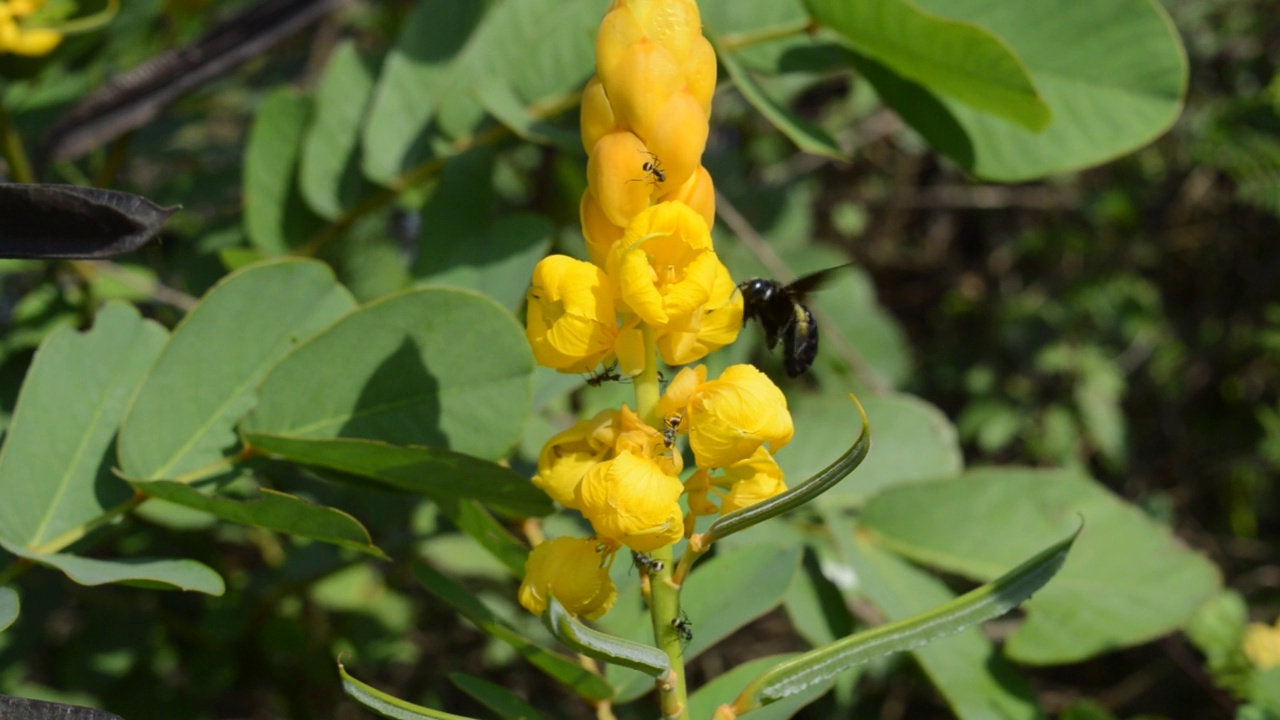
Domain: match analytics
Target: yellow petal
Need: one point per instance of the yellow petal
(629, 500)
(676, 398)
(678, 136)
(732, 416)
(35, 42)
(571, 321)
(699, 193)
(617, 178)
(752, 480)
(600, 233)
(640, 86)
(572, 571)
(630, 350)
(597, 114)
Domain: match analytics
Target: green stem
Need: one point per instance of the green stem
(664, 606)
(13, 151)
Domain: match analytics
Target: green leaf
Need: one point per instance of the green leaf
(414, 76)
(607, 648)
(480, 525)
(558, 667)
(1265, 693)
(438, 474)
(507, 705)
(141, 572)
(329, 174)
(8, 607)
(807, 136)
(975, 606)
(954, 58)
(500, 101)
(1103, 600)
(275, 216)
(182, 421)
(725, 687)
(719, 597)
(433, 367)
(799, 493)
(272, 510)
(1113, 73)
(497, 262)
(66, 221)
(968, 670)
(913, 441)
(815, 606)
(55, 467)
(386, 705)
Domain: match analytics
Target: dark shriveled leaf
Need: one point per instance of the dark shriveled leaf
(12, 708)
(67, 221)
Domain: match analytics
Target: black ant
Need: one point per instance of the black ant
(646, 563)
(653, 169)
(684, 628)
(605, 375)
(671, 425)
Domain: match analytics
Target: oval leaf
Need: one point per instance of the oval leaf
(67, 221)
(560, 668)
(952, 57)
(271, 510)
(386, 705)
(329, 171)
(55, 476)
(140, 572)
(429, 367)
(9, 606)
(613, 650)
(436, 473)
(978, 605)
(183, 420)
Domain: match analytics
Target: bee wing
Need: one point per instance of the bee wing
(807, 284)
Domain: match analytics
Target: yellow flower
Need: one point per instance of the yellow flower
(751, 480)
(31, 42)
(598, 230)
(572, 571)
(1262, 645)
(729, 418)
(714, 325)
(664, 265)
(638, 438)
(631, 501)
(571, 321)
(567, 456)
(698, 192)
(675, 401)
(616, 176)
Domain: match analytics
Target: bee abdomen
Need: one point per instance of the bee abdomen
(800, 342)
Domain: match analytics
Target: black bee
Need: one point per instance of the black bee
(782, 313)
(646, 563)
(684, 628)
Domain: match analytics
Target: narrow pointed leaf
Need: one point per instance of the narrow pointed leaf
(608, 648)
(386, 705)
(184, 417)
(432, 367)
(141, 572)
(480, 525)
(807, 136)
(437, 473)
(12, 708)
(559, 667)
(270, 510)
(724, 688)
(67, 221)
(801, 493)
(978, 605)
(9, 606)
(498, 699)
(55, 476)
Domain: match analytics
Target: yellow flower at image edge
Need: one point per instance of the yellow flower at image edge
(631, 501)
(1262, 645)
(570, 570)
(571, 322)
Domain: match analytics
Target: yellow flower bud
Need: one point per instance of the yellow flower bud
(675, 401)
(700, 73)
(567, 456)
(698, 192)
(729, 418)
(641, 83)
(616, 176)
(664, 265)
(751, 480)
(630, 500)
(597, 114)
(711, 327)
(571, 323)
(619, 30)
(1262, 645)
(678, 136)
(572, 571)
(600, 233)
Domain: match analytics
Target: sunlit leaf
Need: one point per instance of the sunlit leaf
(9, 606)
(141, 572)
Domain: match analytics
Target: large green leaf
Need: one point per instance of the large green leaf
(977, 682)
(436, 473)
(386, 705)
(560, 668)
(1103, 599)
(497, 262)
(954, 58)
(329, 174)
(725, 688)
(141, 572)
(184, 416)
(432, 367)
(275, 216)
(1113, 72)
(8, 607)
(913, 441)
(271, 510)
(55, 467)
(506, 704)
